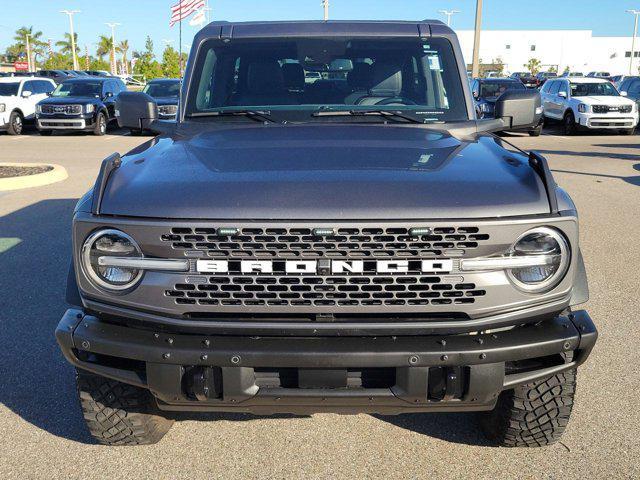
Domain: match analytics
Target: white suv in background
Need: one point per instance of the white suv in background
(18, 98)
(589, 103)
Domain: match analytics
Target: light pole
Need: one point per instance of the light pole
(29, 67)
(114, 63)
(635, 13)
(449, 14)
(325, 4)
(476, 40)
(73, 40)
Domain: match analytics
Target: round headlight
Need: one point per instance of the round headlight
(554, 254)
(110, 243)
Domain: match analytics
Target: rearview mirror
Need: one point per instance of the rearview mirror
(519, 108)
(136, 110)
(26, 94)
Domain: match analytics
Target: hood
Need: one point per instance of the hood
(330, 172)
(166, 100)
(604, 100)
(68, 100)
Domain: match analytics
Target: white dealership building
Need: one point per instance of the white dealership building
(579, 50)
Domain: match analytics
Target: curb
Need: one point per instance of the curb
(58, 174)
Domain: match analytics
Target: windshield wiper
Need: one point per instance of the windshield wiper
(257, 115)
(355, 113)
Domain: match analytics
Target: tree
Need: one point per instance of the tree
(105, 44)
(59, 61)
(498, 65)
(66, 46)
(123, 48)
(533, 65)
(19, 48)
(146, 65)
(170, 62)
(553, 68)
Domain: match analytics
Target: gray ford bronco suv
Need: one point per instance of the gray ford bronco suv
(326, 228)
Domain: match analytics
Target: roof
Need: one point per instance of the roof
(89, 79)
(499, 79)
(22, 79)
(318, 28)
(164, 80)
(584, 79)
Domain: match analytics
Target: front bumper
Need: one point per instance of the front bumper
(606, 121)
(326, 374)
(66, 122)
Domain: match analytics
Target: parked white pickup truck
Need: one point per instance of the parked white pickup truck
(18, 98)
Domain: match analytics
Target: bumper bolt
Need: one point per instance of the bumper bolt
(235, 359)
(413, 359)
(85, 345)
(166, 356)
(156, 335)
(206, 343)
(442, 342)
(483, 356)
(444, 358)
(204, 357)
(170, 341)
(79, 315)
(567, 345)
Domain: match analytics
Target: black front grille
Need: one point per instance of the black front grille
(256, 290)
(351, 243)
(609, 108)
(62, 109)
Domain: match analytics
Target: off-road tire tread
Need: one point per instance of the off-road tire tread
(119, 414)
(532, 415)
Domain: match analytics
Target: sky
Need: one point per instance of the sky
(151, 17)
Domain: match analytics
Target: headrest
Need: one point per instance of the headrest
(293, 74)
(265, 77)
(387, 79)
(360, 76)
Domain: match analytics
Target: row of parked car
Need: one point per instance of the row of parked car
(594, 101)
(85, 103)
(58, 76)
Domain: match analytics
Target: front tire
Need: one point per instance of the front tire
(16, 123)
(532, 415)
(100, 127)
(535, 132)
(119, 414)
(570, 127)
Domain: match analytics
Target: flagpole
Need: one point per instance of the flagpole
(180, 63)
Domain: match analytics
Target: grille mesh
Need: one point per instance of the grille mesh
(360, 290)
(353, 243)
(66, 109)
(367, 289)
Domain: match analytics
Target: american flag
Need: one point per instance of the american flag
(183, 9)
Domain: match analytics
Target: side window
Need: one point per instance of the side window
(555, 86)
(563, 88)
(48, 87)
(633, 87)
(108, 87)
(29, 86)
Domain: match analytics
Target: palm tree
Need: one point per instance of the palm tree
(123, 48)
(66, 47)
(105, 44)
(20, 45)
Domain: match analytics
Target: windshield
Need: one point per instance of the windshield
(9, 89)
(597, 89)
(78, 89)
(287, 76)
(162, 89)
(495, 89)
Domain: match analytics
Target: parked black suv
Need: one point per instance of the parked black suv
(527, 79)
(165, 92)
(288, 247)
(83, 103)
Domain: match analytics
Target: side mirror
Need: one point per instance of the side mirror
(108, 95)
(476, 94)
(519, 108)
(624, 93)
(135, 110)
(562, 94)
(26, 93)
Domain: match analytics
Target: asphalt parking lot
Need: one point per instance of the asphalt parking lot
(41, 430)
